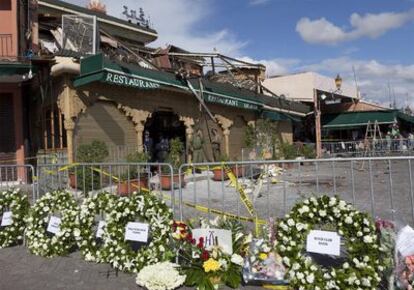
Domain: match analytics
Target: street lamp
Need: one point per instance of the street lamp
(338, 82)
(317, 110)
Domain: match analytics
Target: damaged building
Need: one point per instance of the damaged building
(80, 75)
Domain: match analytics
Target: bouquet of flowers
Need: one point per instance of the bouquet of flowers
(386, 234)
(207, 267)
(263, 265)
(160, 276)
(405, 258)
(407, 273)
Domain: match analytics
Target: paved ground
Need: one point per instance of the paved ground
(19, 270)
(383, 192)
(386, 191)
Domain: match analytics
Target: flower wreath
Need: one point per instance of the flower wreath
(84, 233)
(146, 209)
(18, 204)
(39, 241)
(359, 271)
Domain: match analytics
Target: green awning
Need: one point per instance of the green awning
(279, 116)
(405, 117)
(13, 72)
(98, 69)
(348, 120)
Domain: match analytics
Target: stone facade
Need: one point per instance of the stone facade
(118, 115)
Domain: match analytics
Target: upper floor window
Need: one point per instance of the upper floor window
(5, 5)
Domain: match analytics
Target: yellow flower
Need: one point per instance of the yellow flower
(263, 256)
(211, 265)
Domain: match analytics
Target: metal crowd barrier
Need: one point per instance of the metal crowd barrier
(382, 186)
(18, 176)
(251, 191)
(363, 148)
(88, 179)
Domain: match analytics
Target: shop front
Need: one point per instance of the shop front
(123, 105)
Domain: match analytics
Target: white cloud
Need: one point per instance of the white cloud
(322, 31)
(373, 77)
(258, 2)
(177, 22)
(276, 66)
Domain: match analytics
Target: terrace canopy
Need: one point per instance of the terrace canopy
(99, 69)
(349, 120)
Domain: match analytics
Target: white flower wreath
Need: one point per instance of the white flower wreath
(16, 203)
(359, 271)
(39, 241)
(146, 209)
(84, 232)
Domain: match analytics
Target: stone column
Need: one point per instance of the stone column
(71, 106)
(139, 117)
(225, 125)
(70, 128)
(18, 133)
(189, 131)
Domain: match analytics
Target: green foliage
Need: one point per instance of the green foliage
(224, 158)
(308, 151)
(175, 157)
(137, 157)
(135, 171)
(94, 152)
(250, 137)
(287, 151)
(264, 135)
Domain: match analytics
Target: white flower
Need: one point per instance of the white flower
(345, 265)
(310, 278)
(300, 226)
(291, 222)
(348, 220)
(237, 259)
(368, 239)
(322, 213)
(76, 233)
(304, 209)
(161, 276)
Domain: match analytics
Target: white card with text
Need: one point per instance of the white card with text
(137, 232)
(54, 225)
(224, 238)
(323, 242)
(100, 229)
(7, 219)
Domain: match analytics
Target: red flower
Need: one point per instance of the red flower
(200, 244)
(205, 256)
(189, 238)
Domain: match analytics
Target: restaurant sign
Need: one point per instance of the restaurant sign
(129, 81)
(230, 102)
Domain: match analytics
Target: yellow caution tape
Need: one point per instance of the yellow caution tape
(198, 207)
(276, 287)
(243, 196)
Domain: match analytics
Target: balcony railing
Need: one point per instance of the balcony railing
(6, 45)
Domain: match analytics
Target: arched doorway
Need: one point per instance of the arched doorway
(162, 125)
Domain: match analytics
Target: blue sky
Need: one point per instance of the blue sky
(376, 37)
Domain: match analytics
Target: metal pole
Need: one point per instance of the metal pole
(317, 114)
